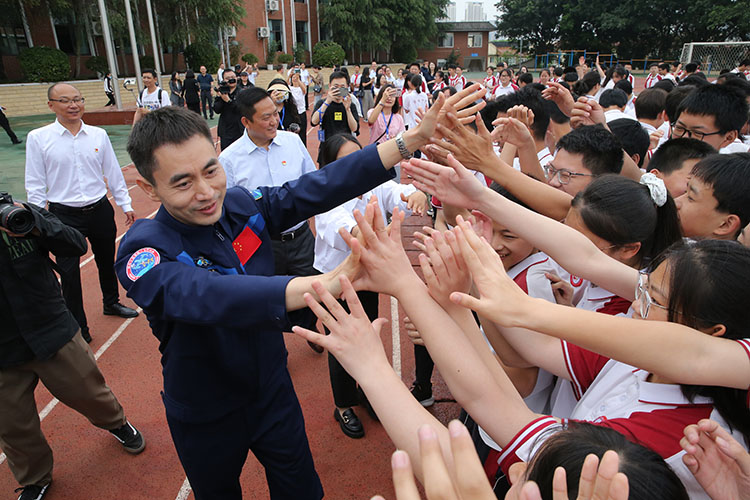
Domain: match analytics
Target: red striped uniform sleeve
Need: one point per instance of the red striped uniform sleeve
(532, 432)
(583, 366)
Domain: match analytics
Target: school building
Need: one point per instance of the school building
(469, 40)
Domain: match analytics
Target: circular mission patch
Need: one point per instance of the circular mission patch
(141, 261)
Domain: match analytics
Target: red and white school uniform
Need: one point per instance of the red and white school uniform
(631, 79)
(439, 86)
(619, 396)
(651, 80)
(501, 91)
(630, 108)
(680, 75)
(490, 83)
(670, 76)
(458, 82)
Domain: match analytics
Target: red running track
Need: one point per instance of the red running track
(90, 464)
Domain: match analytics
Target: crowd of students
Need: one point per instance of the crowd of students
(565, 210)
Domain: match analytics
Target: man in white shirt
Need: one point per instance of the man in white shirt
(66, 162)
(265, 156)
(152, 96)
(650, 110)
(613, 101)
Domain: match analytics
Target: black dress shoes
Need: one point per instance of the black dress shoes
(349, 423)
(86, 335)
(120, 310)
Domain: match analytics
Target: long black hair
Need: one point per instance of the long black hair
(621, 211)
(291, 115)
(708, 282)
(585, 84)
(396, 106)
(329, 149)
(646, 471)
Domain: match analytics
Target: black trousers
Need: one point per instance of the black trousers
(343, 386)
(294, 257)
(272, 427)
(194, 106)
(207, 103)
(423, 366)
(111, 97)
(4, 123)
(98, 225)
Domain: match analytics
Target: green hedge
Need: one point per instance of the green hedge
(97, 64)
(44, 64)
(250, 58)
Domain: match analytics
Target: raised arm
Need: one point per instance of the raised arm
(569, 248)
(675, 351)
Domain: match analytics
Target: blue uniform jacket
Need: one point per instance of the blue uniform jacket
(219, 322)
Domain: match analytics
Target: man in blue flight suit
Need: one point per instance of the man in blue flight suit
(202, 270)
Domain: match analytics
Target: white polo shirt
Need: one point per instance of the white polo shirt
(70, 169)
(250, 166)
(330, 248)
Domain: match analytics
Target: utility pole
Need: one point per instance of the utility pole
(109, 49)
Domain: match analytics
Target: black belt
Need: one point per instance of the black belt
(291, 234)
(65, 209)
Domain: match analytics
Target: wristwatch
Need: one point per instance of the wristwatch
(405, 154)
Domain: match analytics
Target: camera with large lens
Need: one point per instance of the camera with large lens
(224, 88)
(18, 220)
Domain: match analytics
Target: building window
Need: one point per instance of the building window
(276, 28)
(299, 1)
(12, 40)
(475, 40)
(301, 27)
(68, 36)
(445, 40)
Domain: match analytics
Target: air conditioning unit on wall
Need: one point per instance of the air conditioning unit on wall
(231, 31)
(272, 5)
(264, 32)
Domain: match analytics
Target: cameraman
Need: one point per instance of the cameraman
(230, 125)
(337, 114)
(40, 339)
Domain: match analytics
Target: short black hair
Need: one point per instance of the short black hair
(632, 135)
(696, 79)
(570, 77)
(248, 98)
(650, 103)
(664, 66)
(149, 70)
(559, 71)
(691, 67)
(338, 74)
(330, 148)
(727, 176)
(672, 153)
(532, 99)
(740, 84)
(525, 78)
(664, 84)
(601, 150)
(625, 86)
(613, 97)
(674, 99)
(726, 104)
(555, 114)
(164, 126)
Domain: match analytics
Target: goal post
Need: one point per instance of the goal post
(712, 57)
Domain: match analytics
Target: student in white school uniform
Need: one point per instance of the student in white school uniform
(650, 110)
(459, 82)
(614, 394)
(629, 68)
(666, 73)
(331, 250)
(613, 102)
(653, 76)
(490, 82)
(413, 100)
(506, 86)
(626, 87)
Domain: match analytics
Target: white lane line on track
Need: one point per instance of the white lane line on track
(184, 490)
(117, 240)
(51, 405)
(395, 336)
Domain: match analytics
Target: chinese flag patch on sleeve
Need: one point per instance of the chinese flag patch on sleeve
(245, 245)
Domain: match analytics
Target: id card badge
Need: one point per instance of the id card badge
(321, 135)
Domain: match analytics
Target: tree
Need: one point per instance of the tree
(250, 58)
(536, 22)
(44, 64)
(328, 54)
(365, 27)
(203, 53)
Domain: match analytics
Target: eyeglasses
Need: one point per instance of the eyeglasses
(643, 298)
(563, 176)
(65, 100)
(680, 131)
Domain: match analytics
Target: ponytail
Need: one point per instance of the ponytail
(585, 84)
(623, 211)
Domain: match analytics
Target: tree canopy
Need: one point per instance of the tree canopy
(364, 27)
(637, 28)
